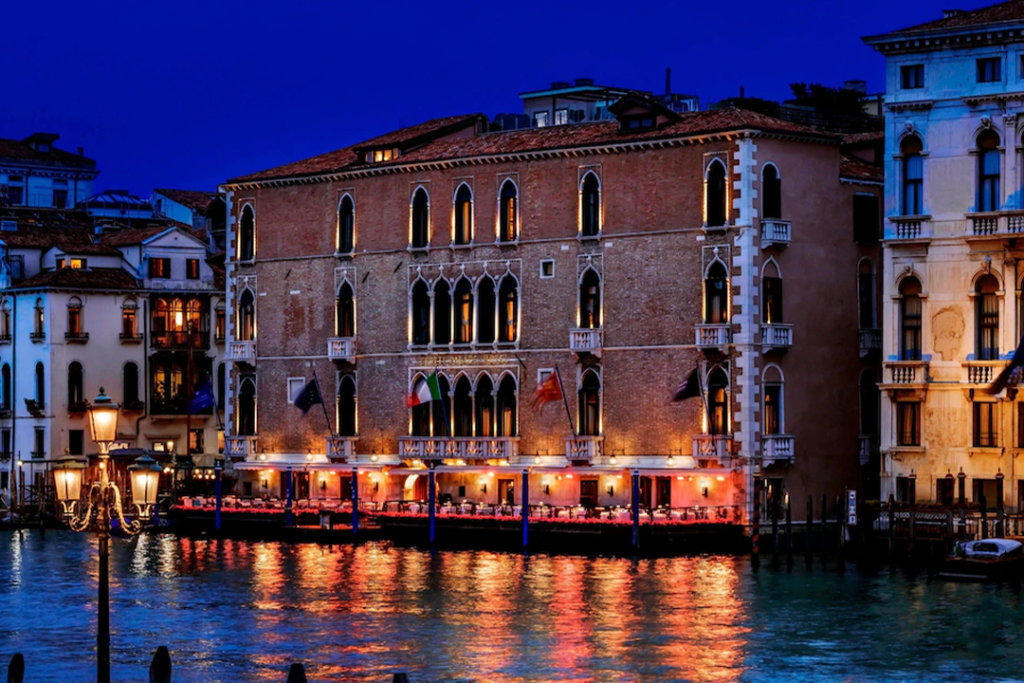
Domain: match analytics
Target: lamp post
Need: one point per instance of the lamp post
(103, 503)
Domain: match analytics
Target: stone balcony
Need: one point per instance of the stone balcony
(240, 447)
(870, 340)
(342, 349)
(587, 448)
(774, 231)
(458, 447)
(777, 448)
(340, 448)
(779, 337)
(981, 371)
(907, 371)
(713, 447)
(586, 340)
(715, 335)
(909, 227)
(242, 352)
(869, 447)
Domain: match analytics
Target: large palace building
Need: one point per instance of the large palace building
(619, 250)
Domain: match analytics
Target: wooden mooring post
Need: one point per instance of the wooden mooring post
(808, 528)
(824, 523)
(16, 669)
(755, 531)
(984, 516)
(773, 503)
(892, 527)
(297, 673)
(841, 526)
(160, 667)
(789, 532)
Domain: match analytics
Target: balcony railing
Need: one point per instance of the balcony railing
(180, 340)
(242, 351)
(586, 340)
(982, 371)
(5, 338)
(76, 337)
(342, 348)
(176, 405)
(985, 224)
(713, 447)
(777, 336)
(908, 371)
(718, 334)
(775, 231)
(870, 340)
(908, 228)
(776, 448)
(130, 337)
(341, 448)
(239, 447)
(584, 448)
(458, 447)
(869, 448)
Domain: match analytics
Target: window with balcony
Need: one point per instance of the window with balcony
(716, 295)
(247, 234)
(771, 295)
(421, 422)
(246, 323)
(986, 424)
(346, 239)
(866, 221)
(508, 312)
(771, 187)
(485, 332)
(420, 219)
(913, 175)
(345, 312)
(5, 320)
(869, 404)
(589, 404)
(159, 268)
(910, 319)
(715, 195)
(130, 385)
(76, 387)
(507, 409)
(990, 70)
(39, 442)
(484, 404)
(221, 384)
(463, 311)
(441, 411)
(442, 312)
(911, 76)
(866, 295)
(989, 161)
(75, 318)
(245, 424)
(463, 229)
(40, 385)
(987, 318)
(420, 313)
(5, 387)
(908, 423)
(129, 320)
(718, 402)
(508, 208)
(462, 408)
(347, 406)
(179, 323)
(39, 320)
(773, 401)
(590, 300)
(590, 205)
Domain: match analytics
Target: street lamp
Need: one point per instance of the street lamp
(104, 502)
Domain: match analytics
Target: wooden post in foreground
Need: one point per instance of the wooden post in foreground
(297, 673)
(160, 667)
(16, 669)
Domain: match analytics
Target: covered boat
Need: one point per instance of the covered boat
(988, 559)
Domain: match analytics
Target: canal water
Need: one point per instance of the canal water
(243, 611)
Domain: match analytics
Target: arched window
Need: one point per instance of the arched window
(590, 300)
(590, 206)
(716, 295)
(771, 294)
(345, 312)
(771, 186)
(463, 311)
(5, 319)
(220, 386)
(442, 312)
(463, 215)
(590, 404)
(718, 402)
(714, 194)
(421, 414)
(40, 385)
(346, 225)
(508, 424)
(485, 312)
(196, 324)
(420, 313)
(913, 176)
(246, 317)
(347, 406)
(910, 319)
(39, 320)
(866, 295)
(987, 303)
(773, 401)
(989, 161)
(508, 314)
(247, 235)
(868, 403)
(76, 389)
(420, 219)
(442, 410)
(484, 406)
(247, 407)
(5, 387)
(130, 379)
(74, 318)
(508, 208)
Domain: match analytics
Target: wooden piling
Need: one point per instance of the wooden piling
(16, 669)
(789, 531)
(297, 673)
(963, 523)
(755, 531)
(774, 505)
(824, 521)
(160, 667)
(984, 517)
(809, 527)
(913, 528)
(892, 527)
(400, 678)
(841, 562)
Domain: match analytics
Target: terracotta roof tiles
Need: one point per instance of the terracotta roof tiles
(853, 168)
(77, 278)
(1011, 12)
(192, 199)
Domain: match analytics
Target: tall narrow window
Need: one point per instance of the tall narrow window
(987, 303)
(463, 215)
(868, 403)
(865, 219)
(74, 318)
(985, 424)
(347, 406)
(5, 387)
(507, 424)
(463, 311)
(442, 410)
(866, 295)
(442, 313)
(420, 219)
(40, 385)
(247, 407)
(910, 319)
(590, 404)
(129, 324)
(346, 225)
(716, 295)
(509, 309)
(221, 382)
(590, 198)
(590, 300)
(771, 297)
(76, 390)
(989, 160)
(484, 406)
(485, 331)
(908, 423)
(718, 402)
(345, 315)
(773, 409)
(913, 176)
(39, 320)
(130, 391)
(421, 413)
(771, 185)
(246, 317)
(5, 320)
(716, 211)
(420, 313)
(247, 235)
(508, 211)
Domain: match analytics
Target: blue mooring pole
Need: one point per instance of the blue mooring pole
(431, 505)
(525, 508)
(355, 501)
(288, 497)
(218, 468)
(636, 508)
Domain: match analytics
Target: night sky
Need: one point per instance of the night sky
(188, 94)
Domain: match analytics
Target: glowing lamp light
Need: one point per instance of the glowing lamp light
(67, 478)
(671, 462)
(720, 478)
(536, 460)
(568, 476)
(145, 476)
(103, 420)
(613, 460)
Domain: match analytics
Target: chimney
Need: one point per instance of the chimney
(81, 151)
(668, 81)
(742, 94)
(950, 13)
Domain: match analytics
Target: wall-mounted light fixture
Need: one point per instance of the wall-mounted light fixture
(611, 490)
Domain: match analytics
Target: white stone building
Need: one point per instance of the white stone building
(33, 172)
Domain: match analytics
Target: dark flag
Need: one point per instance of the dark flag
(690, 388)
(202, 400)
(309, 396)
(1003, 378)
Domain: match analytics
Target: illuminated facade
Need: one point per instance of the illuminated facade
(620, 254)
(953, 274)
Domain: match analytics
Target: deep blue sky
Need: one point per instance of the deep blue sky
(187, 94)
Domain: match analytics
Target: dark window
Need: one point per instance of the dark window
(989, 488)
(508, 209)
(507, 425)
(14, 195)
(247, 235)
(421, 414)
(442, 410)
(912, 76)
(590, 300)
(773, 409)
(197, 441)
(987, 303)
(130, 384)
(40, 385)
(76, 442)
(718, 402)
(716, 293)
(346, 226)
(771, 186)
(910, 319)
(39, 447)
(420, 219)
(220, 386)
(76, 391)
(771, 302)
(442, 313)
(463, 312)
(463, 215)
(989, 158)
(908, 423)
(5, 445)
(246, 317)
(345, 315)
(913, 176)
(869, 417)
(986, 418)
(247, 407)
(420, 313)
(866, 296)
(485, 331)
(945, 491)
(5, 388)
(484, 406)
(347, 406)
(865, 219)
(508, 312)
(905, 490)
(715, 194)
(159, 267)
(191, 269)
(590, 405)
(591, 209)
(990, 70)
(60, 199)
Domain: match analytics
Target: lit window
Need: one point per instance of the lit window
(908, 423)
(192, 269)
(540, 119)
(561, 117)
(986, 424)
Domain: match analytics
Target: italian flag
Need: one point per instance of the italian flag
(424, 391)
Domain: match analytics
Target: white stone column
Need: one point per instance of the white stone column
(1010, 181)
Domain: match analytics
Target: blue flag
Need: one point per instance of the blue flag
(202, 400)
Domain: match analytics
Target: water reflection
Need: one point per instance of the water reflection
(239, 611)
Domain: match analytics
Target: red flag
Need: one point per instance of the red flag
(547, 391)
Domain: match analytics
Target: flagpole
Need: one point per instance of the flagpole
(704, 400)
(565, 402)
(322, 404)
(444, 411)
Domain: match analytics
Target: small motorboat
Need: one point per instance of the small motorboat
(991, 559)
